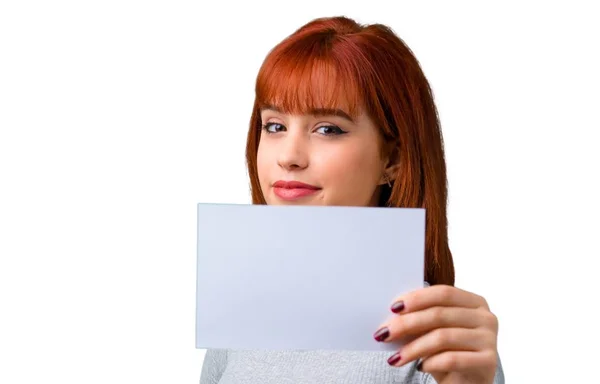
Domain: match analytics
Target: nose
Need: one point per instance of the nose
(293, 152)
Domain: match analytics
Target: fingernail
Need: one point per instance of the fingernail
(394, 358)
(398, 306)
(382, 334)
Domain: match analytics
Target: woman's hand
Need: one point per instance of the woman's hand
(452, 331)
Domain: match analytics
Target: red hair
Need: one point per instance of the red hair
(335, 63)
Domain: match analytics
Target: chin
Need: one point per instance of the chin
(316, 199)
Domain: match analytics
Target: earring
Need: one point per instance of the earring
(387, 180)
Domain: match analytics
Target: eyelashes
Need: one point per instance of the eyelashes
(273, 127)
(330, 130)
(324, 130)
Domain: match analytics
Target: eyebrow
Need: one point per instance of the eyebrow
(316, 112)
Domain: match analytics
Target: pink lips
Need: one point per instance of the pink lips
(292, 190)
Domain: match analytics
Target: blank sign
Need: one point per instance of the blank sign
(303, 278)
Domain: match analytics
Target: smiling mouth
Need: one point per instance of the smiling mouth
(293, 190)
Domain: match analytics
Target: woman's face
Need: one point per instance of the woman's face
(325, 158)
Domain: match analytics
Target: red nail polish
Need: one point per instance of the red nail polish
(398, 306)
(394, 359)
(382, 334)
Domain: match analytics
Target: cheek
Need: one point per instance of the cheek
(262, 163)
(353, 167)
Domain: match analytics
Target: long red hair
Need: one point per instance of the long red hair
(336, 62)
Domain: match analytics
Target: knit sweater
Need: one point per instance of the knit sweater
(226, 366)
(310, 367)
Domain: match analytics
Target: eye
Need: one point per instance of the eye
(273, 127)
(330, 130)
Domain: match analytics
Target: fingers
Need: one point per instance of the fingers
(452, 331)
(423, 321)
(456, 361)
(447, 340)
(437, 295)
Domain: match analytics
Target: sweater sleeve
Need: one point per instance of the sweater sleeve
(499, 377)
(215, 361)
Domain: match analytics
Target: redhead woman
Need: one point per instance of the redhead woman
(344, 115)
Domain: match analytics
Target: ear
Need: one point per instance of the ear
(389, 174)
(392, 165)
(392, 171)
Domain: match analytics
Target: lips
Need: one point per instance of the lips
(293, 185)
(293, 190)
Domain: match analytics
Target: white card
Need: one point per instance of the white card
(303, 277)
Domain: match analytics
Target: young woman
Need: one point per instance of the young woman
(343, 115)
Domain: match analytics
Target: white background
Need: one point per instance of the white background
(117, 117)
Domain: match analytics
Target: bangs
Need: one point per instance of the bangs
(309, 76)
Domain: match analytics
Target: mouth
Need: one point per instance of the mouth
(293, 190)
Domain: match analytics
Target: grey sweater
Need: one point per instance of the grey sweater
(304, 367)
